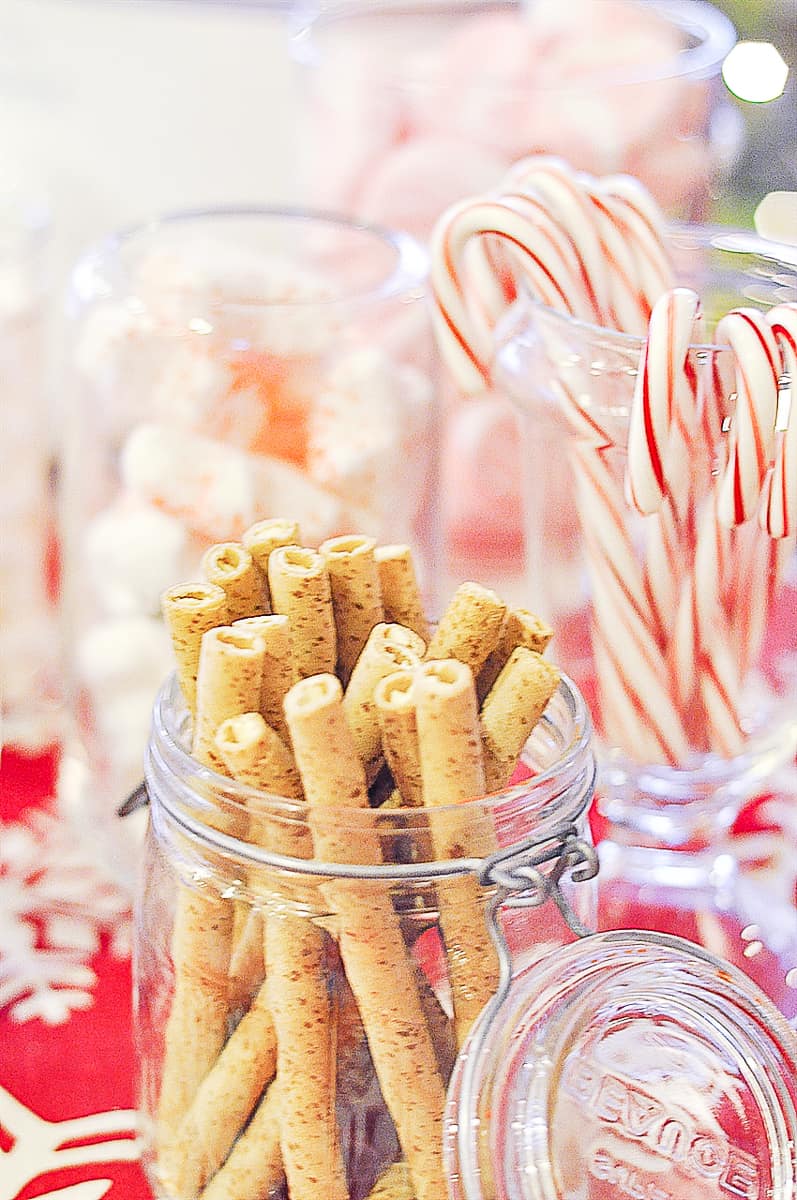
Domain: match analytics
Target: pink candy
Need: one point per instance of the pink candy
(421, 111)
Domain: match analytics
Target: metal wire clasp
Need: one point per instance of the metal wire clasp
(518, 874)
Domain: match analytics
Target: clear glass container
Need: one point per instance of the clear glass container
(679, 755)
(626, 1065)
(198, 862)
(228, 367)
(29, 648)
(408, 107)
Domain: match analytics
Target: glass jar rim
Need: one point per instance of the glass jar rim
(578, 989)
(90, 279)
(714, 32)
(707, 237)
(167, 755)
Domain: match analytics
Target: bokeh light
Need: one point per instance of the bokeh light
(755, 71)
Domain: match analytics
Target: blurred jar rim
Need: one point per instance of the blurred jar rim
(748, 255)
(105, 270)
(709, 33)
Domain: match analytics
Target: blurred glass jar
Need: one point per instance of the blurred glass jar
(680, 631)
(229, 367)
(28, 583)
(216, 847)
(408, 107)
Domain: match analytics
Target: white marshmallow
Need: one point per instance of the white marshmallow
(360, 435)
(132, 553)
(123, 654)
(282, 487)
(207, 485)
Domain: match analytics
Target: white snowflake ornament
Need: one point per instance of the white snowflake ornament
(55, 907)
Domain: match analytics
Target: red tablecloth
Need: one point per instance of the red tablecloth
(67, 1119)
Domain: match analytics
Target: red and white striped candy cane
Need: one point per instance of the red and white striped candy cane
(626, 629)
(545, 257)
(752, 433)
(633, 239)
(703, 651)
(565, 193)
(779, 510)
(664, 407)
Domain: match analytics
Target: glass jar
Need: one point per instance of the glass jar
(228, 367)
(626, 1065)
(197, 861)
(407, 107)
(665, 805)
(410, 106)
(29, 648)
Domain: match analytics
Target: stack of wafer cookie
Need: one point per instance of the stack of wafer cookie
(313, 675)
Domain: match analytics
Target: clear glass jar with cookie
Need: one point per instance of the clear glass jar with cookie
(340, 801)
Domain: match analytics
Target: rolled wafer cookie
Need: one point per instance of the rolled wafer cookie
(470, 626)
(190, 610)
(253, 752)
(512, 708)
(197, 1025)
(296, 981)
(521, 628)
(232, 567)
(356, 595)
(299, 993)
(389, 648)
(370, 941)
(254, 1168)
(274, 629)
(228, 683)
(393, 1184)
(225, 1099)
(395, 710)
(299, 583)
(449, 745)
(247, 960)
(263, 537)
(398, 582)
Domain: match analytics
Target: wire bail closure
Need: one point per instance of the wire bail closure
(518, 881)
(518, 876)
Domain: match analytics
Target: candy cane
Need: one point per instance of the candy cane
(566, 196)
(641, 220)
(753, 423)
(627, 240)
(675, 619)
(664, 404)
(545, 254)
(780, 492)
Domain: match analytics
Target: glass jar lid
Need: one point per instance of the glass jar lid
(628, 1065)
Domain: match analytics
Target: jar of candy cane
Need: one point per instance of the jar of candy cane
(228, 366)
(661, 513)
(409, 106)
(344, 1001)
(341, 945)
